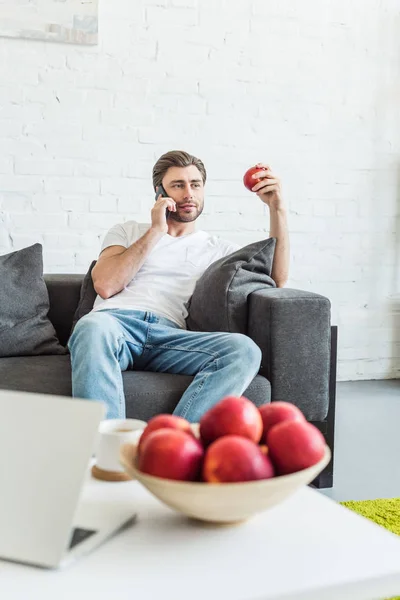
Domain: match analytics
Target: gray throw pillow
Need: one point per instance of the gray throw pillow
(87, 297)
(219, 301)
(24, 304)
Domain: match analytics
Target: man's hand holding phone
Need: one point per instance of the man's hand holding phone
(161, 209)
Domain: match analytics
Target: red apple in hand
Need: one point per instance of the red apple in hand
(233, 415)
(171, 454)
(233, 458)
(248, 179)
(164, 421)
(295, 445)
(276, 412)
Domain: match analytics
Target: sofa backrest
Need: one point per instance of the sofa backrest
(64, 292)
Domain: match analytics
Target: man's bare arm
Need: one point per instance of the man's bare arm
(117, 265)
(279, 230)
(269, 191)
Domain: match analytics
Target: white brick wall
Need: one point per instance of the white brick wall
(311, 87)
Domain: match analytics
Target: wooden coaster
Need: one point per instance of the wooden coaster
(98, 473)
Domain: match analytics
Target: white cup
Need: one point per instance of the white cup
(112, 434)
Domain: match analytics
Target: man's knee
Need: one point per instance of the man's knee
(95, 327)
(245, 349)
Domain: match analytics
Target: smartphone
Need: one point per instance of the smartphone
(160, 190)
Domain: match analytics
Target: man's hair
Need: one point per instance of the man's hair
(176, 158)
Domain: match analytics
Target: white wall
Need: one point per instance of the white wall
(312, 87)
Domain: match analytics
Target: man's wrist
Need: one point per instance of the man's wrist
(156, 232)
(279, 210)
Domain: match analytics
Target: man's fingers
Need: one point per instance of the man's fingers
(172, 207)
(266, 183)
(166, 202)
(161, 197)
(170, 204)
(263, 174)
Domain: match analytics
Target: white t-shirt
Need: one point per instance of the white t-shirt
(167, 278)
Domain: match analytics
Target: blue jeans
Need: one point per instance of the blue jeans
(107, 342)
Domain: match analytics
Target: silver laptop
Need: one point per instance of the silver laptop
(46, 444)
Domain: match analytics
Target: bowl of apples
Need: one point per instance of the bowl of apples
(238, 461)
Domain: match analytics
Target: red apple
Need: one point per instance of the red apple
(164, 421)
(233, 415)
(276, 412)
(295, 445)
(234, 458)
(248, 179)
(171, 454)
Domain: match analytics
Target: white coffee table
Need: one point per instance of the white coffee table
(307, 548)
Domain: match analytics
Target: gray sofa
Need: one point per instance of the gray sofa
(291, 327)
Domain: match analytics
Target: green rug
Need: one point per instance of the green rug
(383, 511)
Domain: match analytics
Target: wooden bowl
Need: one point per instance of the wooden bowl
(221, 502)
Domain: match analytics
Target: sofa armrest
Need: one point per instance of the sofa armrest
(293, 330)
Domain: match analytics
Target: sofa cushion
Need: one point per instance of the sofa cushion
(64, 290)
(25, 328)
(42, 374)
(147, 394)
(219, 301)
(86, 298)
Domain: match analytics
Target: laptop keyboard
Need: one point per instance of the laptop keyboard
(79, 535)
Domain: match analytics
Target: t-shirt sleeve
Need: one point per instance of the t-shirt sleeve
(116, 236)
(228, 247)
(124, 234)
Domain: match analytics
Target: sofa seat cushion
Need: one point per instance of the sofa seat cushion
(146, 393)
(41, 374)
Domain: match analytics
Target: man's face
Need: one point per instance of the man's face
(185, 186)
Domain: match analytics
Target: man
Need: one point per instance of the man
(144, 277)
